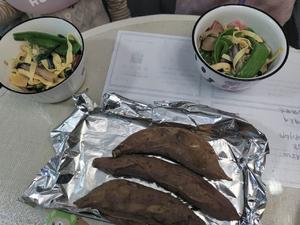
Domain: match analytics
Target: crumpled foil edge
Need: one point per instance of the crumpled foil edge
(44, 190)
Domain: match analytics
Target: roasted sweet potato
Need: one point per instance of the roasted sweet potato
(175, 178)
(178, 144)
(132, 201)
(121, 221)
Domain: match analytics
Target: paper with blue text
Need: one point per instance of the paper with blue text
(151, 67)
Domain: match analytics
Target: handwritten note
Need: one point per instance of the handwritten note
(291, 119)
(149, 67)
(291, 116)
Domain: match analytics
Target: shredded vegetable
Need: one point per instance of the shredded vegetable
(44, 60)
(236, 50)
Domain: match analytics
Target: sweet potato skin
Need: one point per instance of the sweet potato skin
(178, 144)
(129, 200)
(189, 186)
(121, 221)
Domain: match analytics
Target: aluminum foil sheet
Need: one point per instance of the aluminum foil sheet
(92, 131)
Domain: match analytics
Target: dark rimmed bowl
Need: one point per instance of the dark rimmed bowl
(262, 23)
(10, 48)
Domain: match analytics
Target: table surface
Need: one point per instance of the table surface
(25, 126)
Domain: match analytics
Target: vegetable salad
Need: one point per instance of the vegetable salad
(44, 60)
(236, 50)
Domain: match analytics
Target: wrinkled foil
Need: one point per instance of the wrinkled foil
(92, 131)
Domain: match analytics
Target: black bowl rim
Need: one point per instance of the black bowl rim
(42, 17)
(236, 78)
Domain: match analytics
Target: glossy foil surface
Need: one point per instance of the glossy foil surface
(92, 131)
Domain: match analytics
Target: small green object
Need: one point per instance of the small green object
(220, 47)
(250, 29)
(24, 36)
(229, 31)
(62, 49)
(256, 60)
(48, 41)
(44, 43)
(207, 56)
(56, 217)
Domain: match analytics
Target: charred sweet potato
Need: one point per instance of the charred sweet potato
(129, 200)
(178, 144)
(121, 221)
(175, 178)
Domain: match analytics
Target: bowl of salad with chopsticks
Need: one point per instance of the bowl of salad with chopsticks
(237, 46)
(42, 59)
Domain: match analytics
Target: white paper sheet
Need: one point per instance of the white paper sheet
(150, 67)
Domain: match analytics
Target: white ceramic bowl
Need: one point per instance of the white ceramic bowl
(10, 48)
(262, 23)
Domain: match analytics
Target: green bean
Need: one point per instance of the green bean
(207, 56)
(62, 49)
(220, 47)
(229, 31)
(250, 29)
(32, 35)
(256, 60)
(48, 41)
(48, 44)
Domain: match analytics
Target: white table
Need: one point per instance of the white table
(25, 126)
